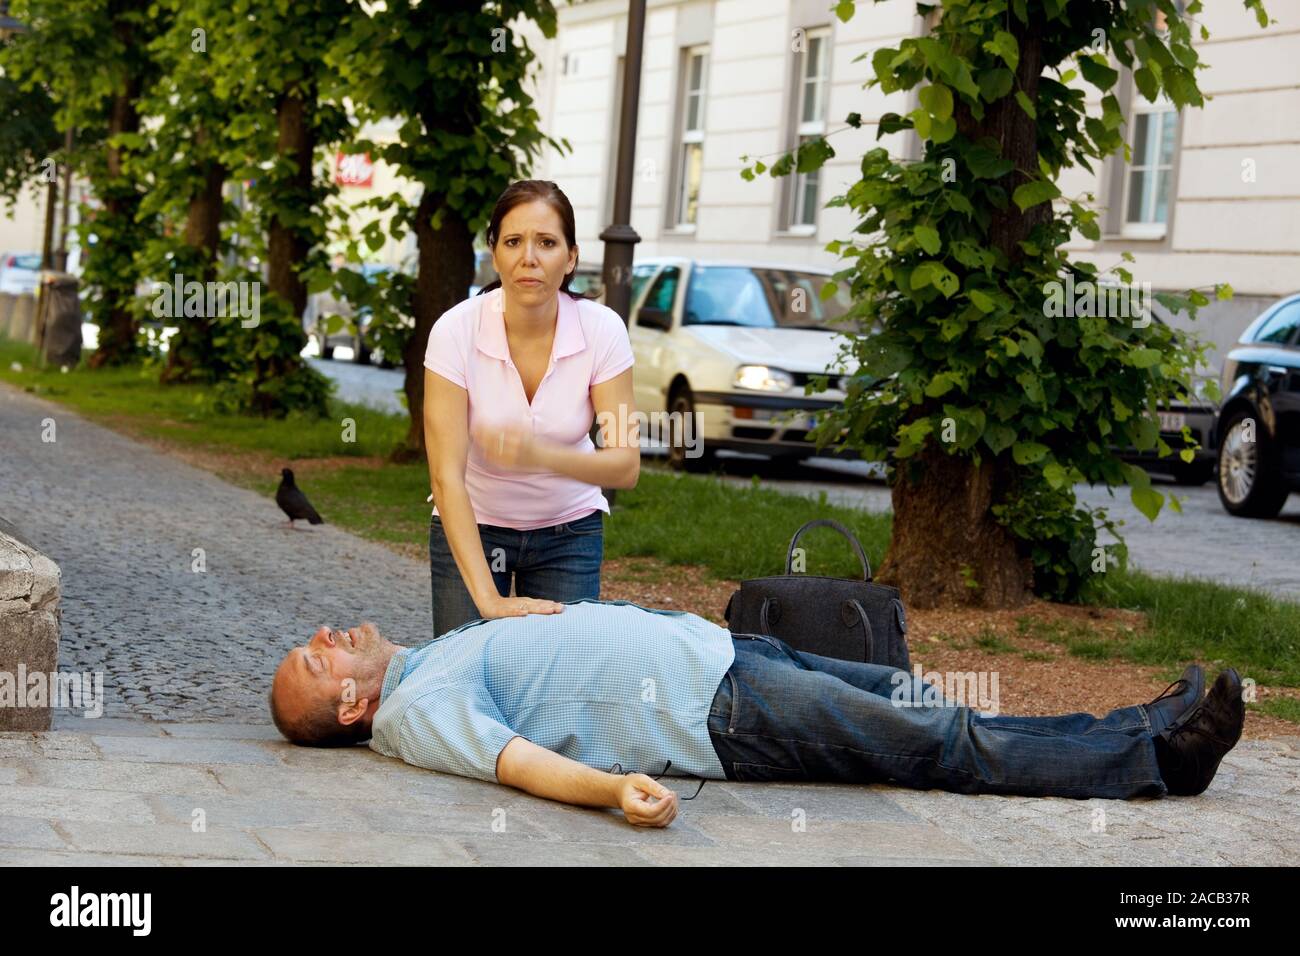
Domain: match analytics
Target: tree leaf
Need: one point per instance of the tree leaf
(937, 99)
(1032, 193)
(927, 237)
(1026, 104)
(1097, 72)
(1004, 45)
(1147, 500)
(995, 84)
(1028, 452)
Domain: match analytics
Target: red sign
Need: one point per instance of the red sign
(354, 169)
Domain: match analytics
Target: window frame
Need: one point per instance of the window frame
(799, 129)
(688, 136)
(1154, 229)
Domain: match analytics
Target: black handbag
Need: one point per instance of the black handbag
(835, 617)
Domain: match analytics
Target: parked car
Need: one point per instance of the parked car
(1198, 413)
(735, 342)
(323, 305)
(587, 280)
(484, 273)
(1258, 430)
(19, 272)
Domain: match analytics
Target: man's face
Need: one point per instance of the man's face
(344, 666)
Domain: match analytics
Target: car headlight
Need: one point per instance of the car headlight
(762, 378)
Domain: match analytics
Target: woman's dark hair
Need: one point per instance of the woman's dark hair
(534, 190)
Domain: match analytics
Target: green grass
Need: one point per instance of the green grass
(729, 531)
(989, 640)
(185, 414)
(1213, 623)
(1286, 708)
(735, 532)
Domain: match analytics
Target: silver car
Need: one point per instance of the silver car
(20, 272)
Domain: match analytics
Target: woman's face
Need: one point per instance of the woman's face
(531, 255)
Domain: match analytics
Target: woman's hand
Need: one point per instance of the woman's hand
(498, 606)
(510, 446)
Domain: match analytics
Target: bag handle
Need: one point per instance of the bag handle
(847, 610)
(828, 523)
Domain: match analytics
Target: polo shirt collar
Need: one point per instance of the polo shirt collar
(491, 338)
(394, 674)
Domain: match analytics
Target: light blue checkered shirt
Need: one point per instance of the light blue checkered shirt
(602, 682)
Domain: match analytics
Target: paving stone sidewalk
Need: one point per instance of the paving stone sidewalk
(185, 769)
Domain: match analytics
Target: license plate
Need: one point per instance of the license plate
(1172, 421)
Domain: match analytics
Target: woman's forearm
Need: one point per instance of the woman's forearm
(457, 513)
(604, 467)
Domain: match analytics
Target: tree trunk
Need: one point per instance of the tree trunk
(287, 250)
(47, 244)
(193, 340)
(446, 269)
(286, 246)
(117, 326)
(946, 549)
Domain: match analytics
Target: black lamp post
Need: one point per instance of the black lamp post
(619, 237)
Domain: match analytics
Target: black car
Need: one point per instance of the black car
(1258, 432)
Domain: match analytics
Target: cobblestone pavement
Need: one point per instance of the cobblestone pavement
(193, 652)
(123, 522)
(133, 792)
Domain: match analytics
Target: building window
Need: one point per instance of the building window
(809, 118)
(1155, 135)
(690, 151)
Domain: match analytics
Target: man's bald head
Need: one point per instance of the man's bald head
(325, 693)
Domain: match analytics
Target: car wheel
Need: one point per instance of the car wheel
(1248, 479)
(360, 354)
(681, 411)
(1196, 473)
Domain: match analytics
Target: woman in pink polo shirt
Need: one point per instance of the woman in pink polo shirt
(513, 380)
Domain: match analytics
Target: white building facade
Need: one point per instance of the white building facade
(1210, 195)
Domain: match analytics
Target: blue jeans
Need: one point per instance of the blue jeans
(559, 563)
(783, 715)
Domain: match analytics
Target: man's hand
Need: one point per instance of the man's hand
(645, 803)
(495, 606)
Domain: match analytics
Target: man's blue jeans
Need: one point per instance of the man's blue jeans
(557, 563)
(783, 715)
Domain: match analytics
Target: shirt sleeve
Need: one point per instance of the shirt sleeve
(455, 729)
(613, 350)
(445, 352)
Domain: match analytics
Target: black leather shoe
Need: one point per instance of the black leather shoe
(1177, 698)
(1188, 751)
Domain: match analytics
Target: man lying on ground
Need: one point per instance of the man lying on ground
(551, 703)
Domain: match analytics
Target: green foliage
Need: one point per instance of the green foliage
(27, 136)
(955, 322)
(92, 59)
(456, 75)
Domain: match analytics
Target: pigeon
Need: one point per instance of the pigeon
(293, 502)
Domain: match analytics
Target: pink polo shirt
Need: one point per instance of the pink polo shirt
(468, 347)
